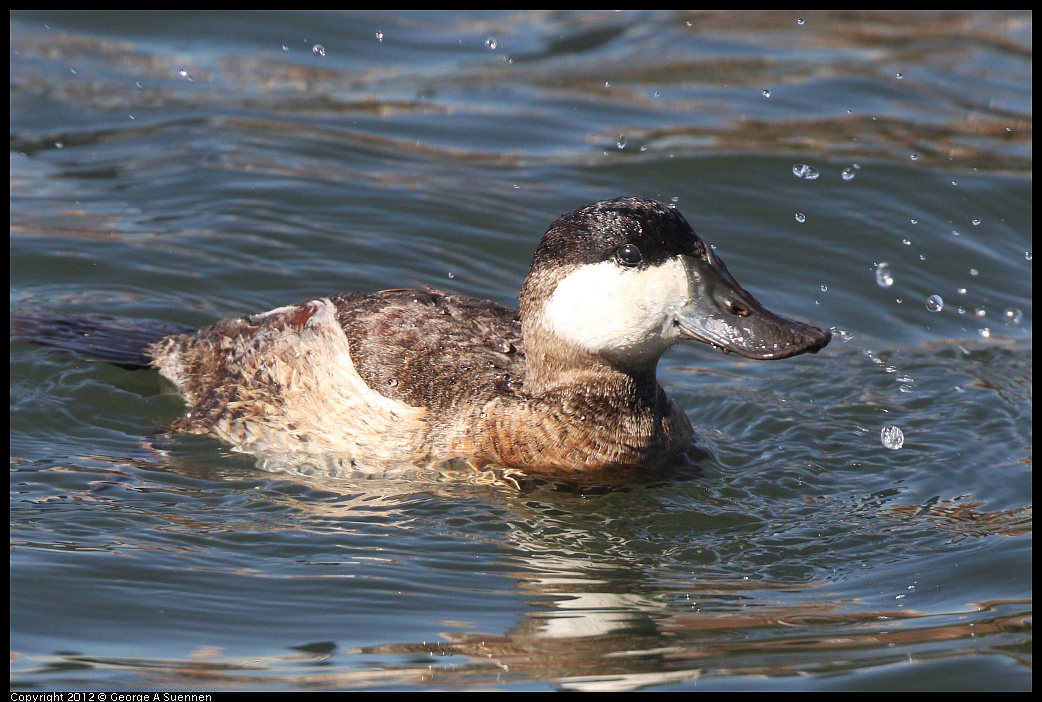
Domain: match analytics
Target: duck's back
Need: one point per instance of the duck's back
(360, 374)
(429, 349)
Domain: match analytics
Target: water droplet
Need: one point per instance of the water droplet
(802, 170)
(980, 312)
(984, 332)
(73, 71)
(974, 272)
(621, 143)
(883, 277)
(976, 222)
(914, 157)
(643, 147)
(899, 76)
(379, 36)
(451, 274)
(1027, 255)
(961, 291)
(824, 287)
(800, 217)
(607, 84)
(185, 74)
(892, 437)
(318, 50)
(847, 174)
(906, 242)
(285, 48)
(1012, 315)
(914, 221)
(491, 43)
(766, 93)
(935, 303)
(955, 182)
(800, 21)
(59, 145)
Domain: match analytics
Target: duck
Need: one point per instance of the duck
(565, 384)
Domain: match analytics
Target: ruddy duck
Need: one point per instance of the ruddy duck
(566, 384)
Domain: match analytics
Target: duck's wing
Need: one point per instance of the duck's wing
(431, 349)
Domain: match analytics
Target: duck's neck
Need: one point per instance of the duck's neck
(571, 348)
(581, 412)
(553, 365)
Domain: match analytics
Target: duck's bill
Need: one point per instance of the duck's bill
(724, 315)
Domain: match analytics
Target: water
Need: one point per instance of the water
(188, 166)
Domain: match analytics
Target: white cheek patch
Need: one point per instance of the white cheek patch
(608, 309)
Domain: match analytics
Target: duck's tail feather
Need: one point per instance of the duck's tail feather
(121, 341)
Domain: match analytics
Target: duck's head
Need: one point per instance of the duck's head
(622, 280)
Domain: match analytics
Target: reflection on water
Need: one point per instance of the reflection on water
(191, 166)
(587, 635)
(599, 614)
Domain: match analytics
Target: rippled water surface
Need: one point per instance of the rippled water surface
(861, 518)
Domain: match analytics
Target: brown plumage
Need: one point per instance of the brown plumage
(566, 385)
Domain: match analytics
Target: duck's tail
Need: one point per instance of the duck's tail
(121, 341)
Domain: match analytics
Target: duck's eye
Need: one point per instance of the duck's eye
(628, 255)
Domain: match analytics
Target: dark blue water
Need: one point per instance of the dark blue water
(189, 166)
